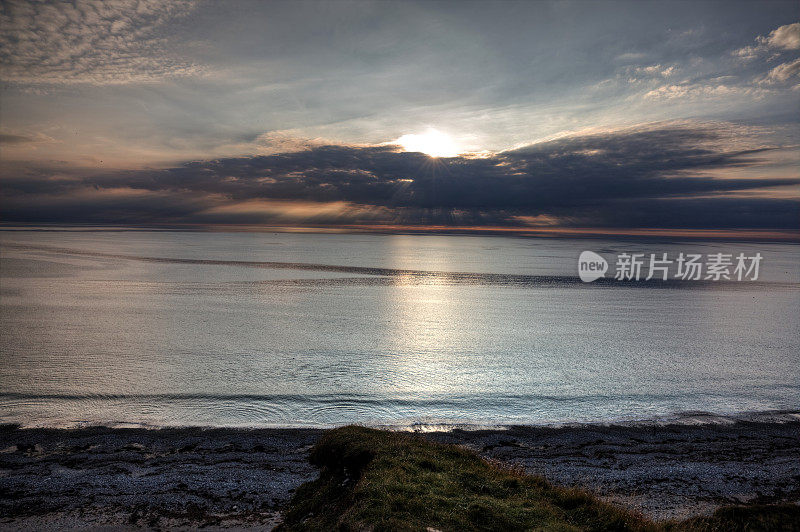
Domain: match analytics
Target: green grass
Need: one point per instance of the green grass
(377, 480)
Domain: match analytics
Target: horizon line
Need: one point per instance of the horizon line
(783, 235)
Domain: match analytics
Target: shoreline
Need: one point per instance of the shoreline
(697, 418)
(221, 477)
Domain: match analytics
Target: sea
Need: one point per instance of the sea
(160, 328)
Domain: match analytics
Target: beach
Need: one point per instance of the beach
(115, 478)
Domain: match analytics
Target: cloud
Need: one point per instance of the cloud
(783, 38)
(659, 175)
(655, 71)
(751, 82)
(14, 139)
(630, 56)
(784, 71)
(89, 41)
(786, 37)
(708, 89)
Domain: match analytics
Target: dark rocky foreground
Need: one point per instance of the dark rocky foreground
(218, 478)
(127, 478)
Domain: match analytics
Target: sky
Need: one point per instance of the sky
(637, 115)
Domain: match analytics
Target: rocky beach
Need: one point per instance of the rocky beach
(124, 478)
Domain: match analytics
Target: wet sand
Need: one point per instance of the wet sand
(229, 478)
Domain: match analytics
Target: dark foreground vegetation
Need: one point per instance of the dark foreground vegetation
(378, 480)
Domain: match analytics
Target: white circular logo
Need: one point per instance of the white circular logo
(591, 266)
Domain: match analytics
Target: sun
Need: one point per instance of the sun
(433, 143)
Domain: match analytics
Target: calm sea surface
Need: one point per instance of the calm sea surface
(285, 329)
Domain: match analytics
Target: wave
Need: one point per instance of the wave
(695, 419)
(427, 414)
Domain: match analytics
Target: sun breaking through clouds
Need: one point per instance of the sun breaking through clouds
(546, 114)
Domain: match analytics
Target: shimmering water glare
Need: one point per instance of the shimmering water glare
(169, 328)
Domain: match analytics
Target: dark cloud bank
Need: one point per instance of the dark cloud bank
(656, 177)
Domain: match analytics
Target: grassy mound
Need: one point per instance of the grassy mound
(377, 480)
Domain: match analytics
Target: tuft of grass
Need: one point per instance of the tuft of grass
(378, 480)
